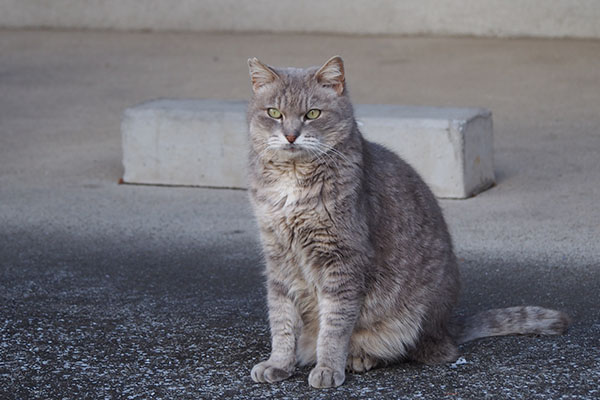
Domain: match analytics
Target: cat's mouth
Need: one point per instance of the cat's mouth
(291, 151)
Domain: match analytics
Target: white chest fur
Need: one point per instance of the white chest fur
(286, 193)
(283, 195)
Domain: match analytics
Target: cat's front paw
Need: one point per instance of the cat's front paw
(325, 377)
(269, 372)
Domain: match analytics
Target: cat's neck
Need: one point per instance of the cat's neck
(303, 173)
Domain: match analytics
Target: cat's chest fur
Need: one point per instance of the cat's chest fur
(291, 198)
(285, 196)
(293, 217)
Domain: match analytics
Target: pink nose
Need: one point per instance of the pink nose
(290, 138)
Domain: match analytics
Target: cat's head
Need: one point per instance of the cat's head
(298, 114)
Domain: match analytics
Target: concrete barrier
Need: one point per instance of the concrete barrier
(203, 143)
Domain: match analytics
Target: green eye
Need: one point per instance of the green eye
(274, 113)
(313, 114)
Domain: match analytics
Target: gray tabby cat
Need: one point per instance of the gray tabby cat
(359, 262)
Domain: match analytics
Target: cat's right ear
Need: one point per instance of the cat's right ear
(260, 74)
(332, 74)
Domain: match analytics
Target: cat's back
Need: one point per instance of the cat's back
(394, 184)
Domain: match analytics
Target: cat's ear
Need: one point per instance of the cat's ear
(331, 74)
(260, 74)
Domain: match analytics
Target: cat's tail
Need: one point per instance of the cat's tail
(524, 320)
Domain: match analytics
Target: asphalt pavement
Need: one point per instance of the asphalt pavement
(112, 291)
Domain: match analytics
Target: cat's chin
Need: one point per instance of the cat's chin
(295, 153)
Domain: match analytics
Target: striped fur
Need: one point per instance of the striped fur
(525, 320)
(360, 268)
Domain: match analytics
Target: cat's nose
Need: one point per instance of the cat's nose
(291, 138)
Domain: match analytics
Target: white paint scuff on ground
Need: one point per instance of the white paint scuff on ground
(460, 361)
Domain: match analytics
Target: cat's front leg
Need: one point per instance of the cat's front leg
(339, 306)
(284, 321)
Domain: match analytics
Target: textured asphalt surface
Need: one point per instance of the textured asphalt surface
(112, 291)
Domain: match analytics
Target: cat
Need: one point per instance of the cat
(360, 268)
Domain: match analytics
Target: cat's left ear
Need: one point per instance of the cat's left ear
(331, 74)
(260, 74)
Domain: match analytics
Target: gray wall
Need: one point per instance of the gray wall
(536, 18)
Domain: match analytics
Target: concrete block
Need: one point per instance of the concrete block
(185, 142)
(452, 148)
(204, 143)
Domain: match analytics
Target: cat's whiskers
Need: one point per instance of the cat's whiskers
(321, 154)
(313, 144)
(323, 157)
(263, 152)
(273, 144)
(317, 157)
(336, 152)
(326, 155)
(327, 150)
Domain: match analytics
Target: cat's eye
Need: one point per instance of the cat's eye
(274, 113)
(313, 114)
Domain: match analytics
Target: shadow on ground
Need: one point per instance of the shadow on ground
(107, 319)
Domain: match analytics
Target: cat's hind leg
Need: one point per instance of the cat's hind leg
(381, 343)
(306, 350)
(359, 363)
(434, 350)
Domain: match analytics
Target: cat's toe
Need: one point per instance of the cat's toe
(325, 377)
(360, 364)
(273, 374)
(266, 372)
